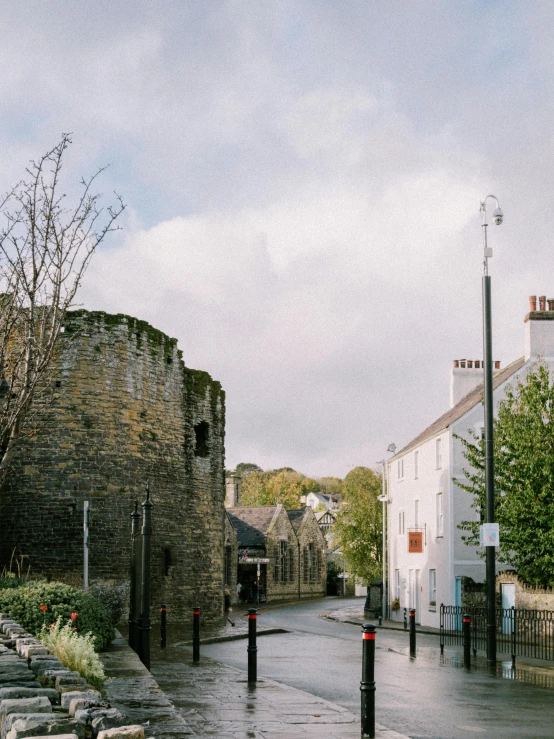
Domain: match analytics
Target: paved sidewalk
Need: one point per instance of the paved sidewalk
(216, 700)
(355, 615)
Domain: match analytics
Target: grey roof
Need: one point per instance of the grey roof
(251, 524)
(296, 517)
(462, 407)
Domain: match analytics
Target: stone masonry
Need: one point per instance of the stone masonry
(124, 409)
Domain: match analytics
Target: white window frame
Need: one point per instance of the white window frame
(439, 515)
(401, 523)
(397, 584)
(438, 454)
(432, 590)
(416, 465)
(400, 468)
(416, 513)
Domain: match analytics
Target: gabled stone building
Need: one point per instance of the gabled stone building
(281, 554)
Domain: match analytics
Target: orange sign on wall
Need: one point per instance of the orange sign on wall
(415, 541)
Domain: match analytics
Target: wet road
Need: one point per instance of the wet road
(422, 698)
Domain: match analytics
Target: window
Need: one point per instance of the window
(416, 465)
(202, 433)
(309, 564)
(283, 546)
(438, 454)
(400, 468)
(397, 584)
(439, 515)
(432, 590)
(167, 562)
(400, 522)
(416, 514)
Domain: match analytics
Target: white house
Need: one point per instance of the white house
(330, 502)
(426, 555)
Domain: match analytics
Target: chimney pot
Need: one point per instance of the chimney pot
(550, 304)
(470, 363)
(542, 302)
(456, 363)
(477, 363)
(497, 365)
(532, 303)
(462, 362)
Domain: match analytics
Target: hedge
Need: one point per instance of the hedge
(24, 605)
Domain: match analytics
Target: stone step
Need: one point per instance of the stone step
(52, 695)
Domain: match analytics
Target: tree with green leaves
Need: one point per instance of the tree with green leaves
(524, 478)
(358, 527)
(246, 468)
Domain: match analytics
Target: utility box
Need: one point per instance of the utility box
(374, 599)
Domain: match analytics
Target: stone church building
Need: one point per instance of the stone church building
(124, 410)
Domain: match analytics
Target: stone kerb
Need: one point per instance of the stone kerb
(26, 706)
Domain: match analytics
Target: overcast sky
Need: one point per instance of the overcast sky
(303, 182)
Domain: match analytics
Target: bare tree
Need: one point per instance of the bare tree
(45, 248)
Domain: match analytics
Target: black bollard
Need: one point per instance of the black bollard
(466, 636)
(412, 633)
(405, 618)
(196, 634)
(163, 627)
(252, 648)
(367, 685)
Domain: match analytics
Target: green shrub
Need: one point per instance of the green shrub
(114, 598)
(24, 605)
(75, 651)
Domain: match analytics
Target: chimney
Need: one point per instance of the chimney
(539, 330)
(232, 490)
(466, 375)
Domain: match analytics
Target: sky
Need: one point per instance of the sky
(302, 181)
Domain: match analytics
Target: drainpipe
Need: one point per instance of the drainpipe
(298, 569)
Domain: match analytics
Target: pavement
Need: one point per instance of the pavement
(179, 698)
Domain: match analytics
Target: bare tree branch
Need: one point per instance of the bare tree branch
(45, 249)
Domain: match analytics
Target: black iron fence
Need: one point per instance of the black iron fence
(520, 632)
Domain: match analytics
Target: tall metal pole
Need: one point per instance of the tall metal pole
(385, 596)
(490, 562)
(144, 622)
(85, 544)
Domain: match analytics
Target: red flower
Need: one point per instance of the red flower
(44, 608)
(74, 616)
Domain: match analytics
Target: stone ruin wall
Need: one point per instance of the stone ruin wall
(125, 410)
(527, 596)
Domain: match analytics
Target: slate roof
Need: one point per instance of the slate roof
(251, 524)
(461, 408)
(296, 517)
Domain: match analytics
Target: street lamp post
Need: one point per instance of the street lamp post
(489, 451)
(384, 500)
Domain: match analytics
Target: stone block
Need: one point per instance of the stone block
(55, 736)
(103, 720)
(83, 706)
(134, 731)
(21, 692)
(64, 681)
(27, 650)
(50, 676)
(39, 668)
(38, 704)
(91, 695)
(42, 725)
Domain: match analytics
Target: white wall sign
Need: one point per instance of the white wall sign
(489, 535)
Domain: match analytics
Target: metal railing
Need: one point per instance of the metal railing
(520, 632)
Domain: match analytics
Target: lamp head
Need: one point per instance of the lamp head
(498, 216)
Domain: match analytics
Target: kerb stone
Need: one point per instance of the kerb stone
(123, 732)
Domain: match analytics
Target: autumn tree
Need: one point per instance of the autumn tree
(524, 478)
(284, 486)
(45, 247)
(246, 468)
(358, 527)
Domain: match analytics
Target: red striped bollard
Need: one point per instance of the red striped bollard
(196, 634)
(466, 625)
(252, 648)
(412, 633)
(367, 685)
